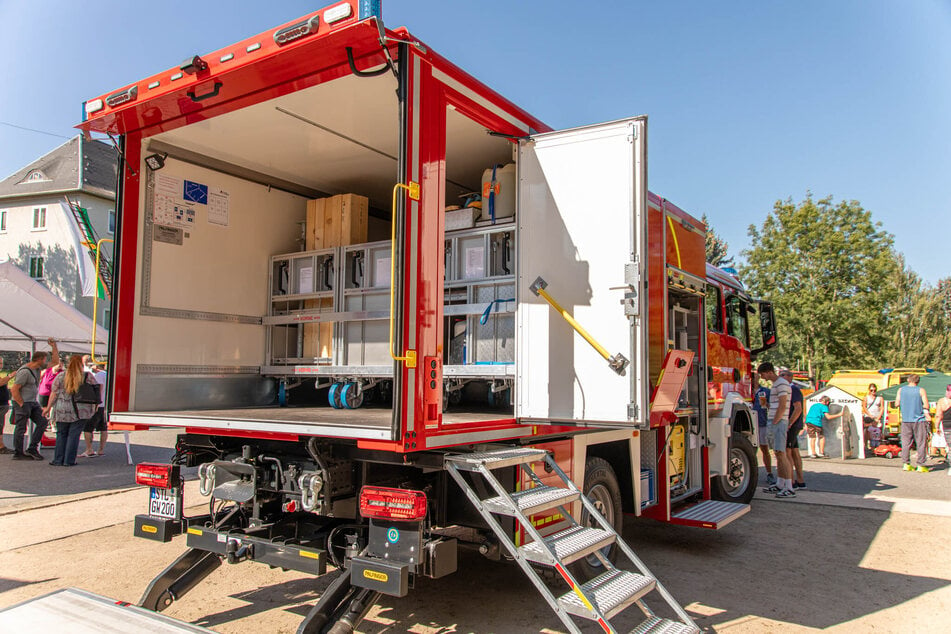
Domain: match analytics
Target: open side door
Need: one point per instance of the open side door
(582, 214)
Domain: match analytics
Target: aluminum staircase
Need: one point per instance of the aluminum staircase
(599, 599)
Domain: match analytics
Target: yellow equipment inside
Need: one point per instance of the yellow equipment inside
(676, 454)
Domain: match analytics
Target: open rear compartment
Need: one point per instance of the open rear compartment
(263, 281)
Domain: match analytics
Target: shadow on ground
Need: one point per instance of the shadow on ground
(22, 479)
(821, 549)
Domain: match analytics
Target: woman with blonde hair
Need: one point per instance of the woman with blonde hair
(70, 409)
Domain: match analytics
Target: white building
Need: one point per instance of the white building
(39, 231)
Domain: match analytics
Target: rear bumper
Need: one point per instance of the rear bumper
(236, 546)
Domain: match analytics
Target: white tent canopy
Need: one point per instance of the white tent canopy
(30, 314)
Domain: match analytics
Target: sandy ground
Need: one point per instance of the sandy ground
(845, 561)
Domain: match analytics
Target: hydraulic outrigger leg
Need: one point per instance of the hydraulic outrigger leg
(182, 575)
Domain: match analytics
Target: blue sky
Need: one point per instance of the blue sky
(749, 102)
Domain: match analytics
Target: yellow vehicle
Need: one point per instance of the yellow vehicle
(856, 382)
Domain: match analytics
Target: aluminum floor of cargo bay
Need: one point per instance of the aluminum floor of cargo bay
(365, 422)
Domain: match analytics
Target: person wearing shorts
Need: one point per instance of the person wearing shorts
(97, 423)
(761, 407)
(778, 420)
(795, 428)
(818, 414)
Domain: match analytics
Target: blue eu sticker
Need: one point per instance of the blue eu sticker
(393, 535)
(196, 193)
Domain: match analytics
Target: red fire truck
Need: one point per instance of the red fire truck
(370, 369)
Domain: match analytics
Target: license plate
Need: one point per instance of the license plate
(164, 503)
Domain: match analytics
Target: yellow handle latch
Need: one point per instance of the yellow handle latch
(412, 189)
(618, 362)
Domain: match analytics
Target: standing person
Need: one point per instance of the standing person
(4, 407)
(942, 421)
(942, 417)
(98, 420)
(46, 379)
(795, 428)
(761, 407)
(778, 419)
(70, 415)
(873, 407)
(25, 390)
(912, 402)
(819, 414)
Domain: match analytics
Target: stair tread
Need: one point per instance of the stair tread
(532, 500)
(657, 625)
(610, 592)
(497, 459)
(569, 545)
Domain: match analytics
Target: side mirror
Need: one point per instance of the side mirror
(767, 323)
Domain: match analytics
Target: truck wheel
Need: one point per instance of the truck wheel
(739, 482)
(601, 487)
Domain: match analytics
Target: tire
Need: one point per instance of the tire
(739, 483)
(889, 455)
(601, 487)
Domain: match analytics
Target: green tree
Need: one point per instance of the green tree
(823, 265)
(919, 326)
(717, 247)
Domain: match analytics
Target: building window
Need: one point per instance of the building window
(36, 268)
(112, 221)
(35, 176)
(3, 220)
(39, 217)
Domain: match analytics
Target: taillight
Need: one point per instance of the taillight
(392, 504)
(162, 476)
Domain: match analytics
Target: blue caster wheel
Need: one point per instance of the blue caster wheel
(333, 396)
(350, 396)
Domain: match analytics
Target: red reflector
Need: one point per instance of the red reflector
(163, 476)
(392, 504)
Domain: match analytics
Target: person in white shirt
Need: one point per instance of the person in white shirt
(777, 421)
(98, 420)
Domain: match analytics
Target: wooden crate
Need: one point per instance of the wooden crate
(331, 222)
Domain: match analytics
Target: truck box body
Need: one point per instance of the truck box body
(193, 346)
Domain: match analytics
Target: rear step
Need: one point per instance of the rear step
(710, 514)
(598, 599)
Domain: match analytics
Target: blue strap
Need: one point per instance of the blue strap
(492, 195)
(488, 309)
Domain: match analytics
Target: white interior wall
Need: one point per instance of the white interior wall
(219, 269)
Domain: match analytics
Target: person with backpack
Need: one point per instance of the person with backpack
(74, 399)
(24, 389)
